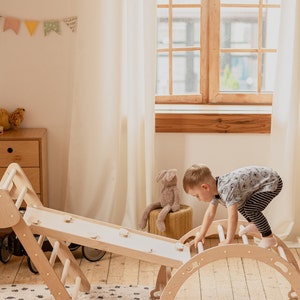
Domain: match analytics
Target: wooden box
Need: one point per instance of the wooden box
(177, 223)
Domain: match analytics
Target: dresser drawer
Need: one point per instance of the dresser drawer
(28, 148)
(25, 153)
(33, 174)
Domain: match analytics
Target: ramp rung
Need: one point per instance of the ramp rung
(54, 253)
(76, 288)
(8, 180)
(21, 197)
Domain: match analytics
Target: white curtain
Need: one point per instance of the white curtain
(285, 136)
(112, 129)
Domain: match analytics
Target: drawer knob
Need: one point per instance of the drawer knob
(10, 150)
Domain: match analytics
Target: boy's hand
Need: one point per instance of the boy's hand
(198, 238)
(225, 242)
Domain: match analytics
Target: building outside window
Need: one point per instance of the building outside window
(216, 51)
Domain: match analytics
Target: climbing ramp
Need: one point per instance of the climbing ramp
(62, 228)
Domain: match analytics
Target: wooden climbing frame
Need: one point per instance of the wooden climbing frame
(61, 228)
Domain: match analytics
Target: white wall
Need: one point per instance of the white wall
(36, 74)
(221, 152)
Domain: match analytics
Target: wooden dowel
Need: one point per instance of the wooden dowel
(21, 197)
(221, 233)
(41, 240)
(8, 180)
(282, 253)
(65, 271)
(54, 253)
(76, 288)
(199, 245)
(244, 236)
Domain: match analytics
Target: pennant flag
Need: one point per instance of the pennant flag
(13, 24)
(31, 26)
(51, 25)
(72, 23)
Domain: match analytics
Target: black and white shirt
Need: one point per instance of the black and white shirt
(238, 185)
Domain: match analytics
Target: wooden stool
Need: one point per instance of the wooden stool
(177, 223)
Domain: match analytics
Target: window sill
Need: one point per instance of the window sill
(213, 119)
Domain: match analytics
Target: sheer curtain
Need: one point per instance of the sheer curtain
(112, 129)
(285, 136)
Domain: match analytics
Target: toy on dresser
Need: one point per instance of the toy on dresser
(13, 120)
(169, 199)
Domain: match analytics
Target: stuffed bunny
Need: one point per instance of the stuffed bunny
(169, 199)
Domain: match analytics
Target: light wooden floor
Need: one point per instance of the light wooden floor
(224, 279)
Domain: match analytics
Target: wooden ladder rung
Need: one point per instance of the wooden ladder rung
(244, 236)
(21, 197)
(76, 288)
(199, 245)
(9, 179)
(65, 271)
(282, 253)
(221, 233)
(41, 240)
(54, 253)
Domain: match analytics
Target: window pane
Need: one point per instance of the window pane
(186, 27)
(268, 71)
(186, 70)
(162, 28)
(162, 74)
(271, 18)
(238, 72)
(239, 28)
(186, 1)
(162, 1)
(271, 1)
(240, 1)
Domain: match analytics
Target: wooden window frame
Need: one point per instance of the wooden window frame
(219, 122)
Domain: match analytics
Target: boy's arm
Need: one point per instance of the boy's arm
(232, 223)
(207, 220)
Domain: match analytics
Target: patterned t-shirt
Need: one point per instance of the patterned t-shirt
(238, 185)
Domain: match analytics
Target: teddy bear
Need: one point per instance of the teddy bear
(4, 119)
(169, 199)
(16, 118)
(13, 120)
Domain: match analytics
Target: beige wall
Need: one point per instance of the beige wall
(36, 73)
(221, 152)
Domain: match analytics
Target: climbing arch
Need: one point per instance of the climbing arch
(279, 258)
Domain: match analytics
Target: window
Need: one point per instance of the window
(220, 52)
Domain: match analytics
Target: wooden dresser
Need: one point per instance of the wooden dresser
(28, 148)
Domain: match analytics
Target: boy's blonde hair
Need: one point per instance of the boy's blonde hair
(196, 174)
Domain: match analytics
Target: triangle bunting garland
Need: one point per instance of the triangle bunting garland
(31, 26)
(52, 25)
(14, 24)
(71, 23)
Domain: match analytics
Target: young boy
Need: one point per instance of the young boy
(246, 190)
